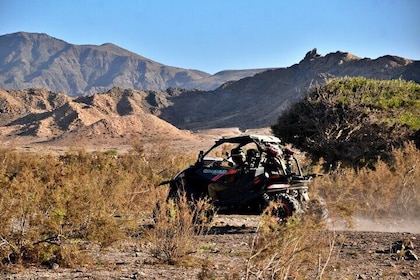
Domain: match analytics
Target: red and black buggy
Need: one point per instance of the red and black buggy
(243, 175)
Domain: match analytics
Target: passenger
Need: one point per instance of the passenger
(231, 177)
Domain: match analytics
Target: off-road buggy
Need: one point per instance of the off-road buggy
(244, 174)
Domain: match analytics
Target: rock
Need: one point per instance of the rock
(311, 55)
(362, 277)
(55, 266)
(411, 256)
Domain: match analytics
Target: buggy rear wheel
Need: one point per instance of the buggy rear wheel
(282, 206)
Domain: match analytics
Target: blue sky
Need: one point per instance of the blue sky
(216, 35)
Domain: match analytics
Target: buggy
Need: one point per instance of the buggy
(243, 175)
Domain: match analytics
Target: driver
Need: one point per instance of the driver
(231, 177)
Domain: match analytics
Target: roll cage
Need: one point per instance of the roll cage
(268, 152)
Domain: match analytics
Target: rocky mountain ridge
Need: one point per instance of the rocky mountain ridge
(257, 101)
(34, 60)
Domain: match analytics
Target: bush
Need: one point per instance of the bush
(176, 223)
(299, 249)
(353, 120)
(49, 204)
(388, 190)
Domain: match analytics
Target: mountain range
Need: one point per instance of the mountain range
(35, 60)
(53, 90)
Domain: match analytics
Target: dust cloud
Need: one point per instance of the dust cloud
(359, 223)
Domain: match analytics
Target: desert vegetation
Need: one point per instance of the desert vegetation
(385, 191)
(49, 204)
(54, 208)
(288, 251)
(365, 135)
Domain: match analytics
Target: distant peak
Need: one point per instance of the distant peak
(32, 36)
(311, 54)
(113, 47)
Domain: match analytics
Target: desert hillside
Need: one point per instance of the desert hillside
(38, 60)
(117, 117)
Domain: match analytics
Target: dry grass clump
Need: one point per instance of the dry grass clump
(387, 190)
(176, 222)
(300, 249)
(50, 204)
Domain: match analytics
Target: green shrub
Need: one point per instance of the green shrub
(354, 121)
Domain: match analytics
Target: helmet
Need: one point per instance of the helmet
(237, 155)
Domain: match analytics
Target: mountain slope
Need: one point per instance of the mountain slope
(254, 100)
(40, 61)
(214, 81)
(257, 101)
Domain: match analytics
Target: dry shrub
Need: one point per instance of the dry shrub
(65, 253)
(298, 249)
(176, 222)
(387, 190)
(78, 196)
